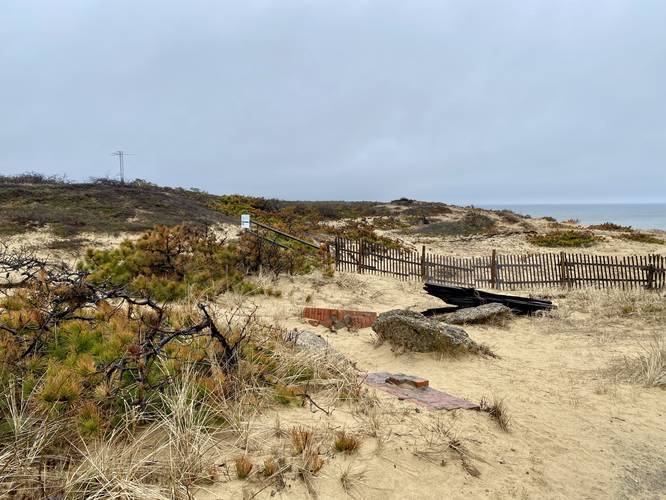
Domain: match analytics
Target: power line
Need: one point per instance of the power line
(121, 161)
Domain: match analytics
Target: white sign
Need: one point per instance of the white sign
(245, 221)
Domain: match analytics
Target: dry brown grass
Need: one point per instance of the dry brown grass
(352, 479)
(118, 468)
(300, 438)
(590, 309)
(346, 443)
(243, 467)
(441, 442)
(30, 434)
(270, 467)
(313, 461)
(496, 408)
(647, 368)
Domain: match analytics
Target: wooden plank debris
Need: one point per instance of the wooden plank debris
(471, 297)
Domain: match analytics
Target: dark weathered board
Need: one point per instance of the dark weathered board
(470, 297)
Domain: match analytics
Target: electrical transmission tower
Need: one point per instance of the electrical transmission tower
(121, 161)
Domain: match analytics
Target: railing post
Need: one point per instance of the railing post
(424, 271)
(493, 269)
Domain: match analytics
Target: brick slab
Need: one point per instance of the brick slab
(425, 396)
(331, 317)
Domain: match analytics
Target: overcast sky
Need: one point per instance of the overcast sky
(458, 101)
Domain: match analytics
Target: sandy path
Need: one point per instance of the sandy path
(575, 433)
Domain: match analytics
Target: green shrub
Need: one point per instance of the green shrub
(642, 238)
(509, 216)
(167, 263)
(610, 226)
(472, 223)
(567, 238)
(290, 258)
(355, 230)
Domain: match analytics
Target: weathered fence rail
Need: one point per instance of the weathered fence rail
(501, 271)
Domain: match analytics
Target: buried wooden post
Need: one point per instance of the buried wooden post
(493, 269)
(424, 271)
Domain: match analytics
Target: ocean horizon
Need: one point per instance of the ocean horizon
(636, 215)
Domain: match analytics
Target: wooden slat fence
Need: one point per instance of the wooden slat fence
(501, 271)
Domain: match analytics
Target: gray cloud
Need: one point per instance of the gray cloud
(472, 102)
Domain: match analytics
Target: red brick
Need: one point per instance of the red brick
(400, 379)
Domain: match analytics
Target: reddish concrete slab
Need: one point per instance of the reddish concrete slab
(340, 318)
(424, 395)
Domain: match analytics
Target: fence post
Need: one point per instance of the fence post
(493, 269)
(563, 269)
(424, 271)
(337, 254)
(360, 257)
(651, 269)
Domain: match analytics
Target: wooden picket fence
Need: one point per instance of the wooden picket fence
(501, 271)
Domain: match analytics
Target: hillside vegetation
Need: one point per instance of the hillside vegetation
(29, 202)
(106, 207)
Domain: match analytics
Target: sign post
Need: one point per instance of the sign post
(245, 221)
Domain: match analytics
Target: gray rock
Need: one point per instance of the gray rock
(486, 313)
(415, 332)
(309, 341)
(306, 339)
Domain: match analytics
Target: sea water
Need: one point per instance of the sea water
(638, 215)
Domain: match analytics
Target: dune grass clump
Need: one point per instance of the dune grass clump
(313, 461)
(270, 467)
(496, 408)
(352, 479)
(647, 368)
(611, 305)
(300, 438)
(441, 443)
(346, 442)
(564, 238)
(243, 467)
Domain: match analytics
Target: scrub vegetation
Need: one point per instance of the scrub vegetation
(126, 362)
(566, 238)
